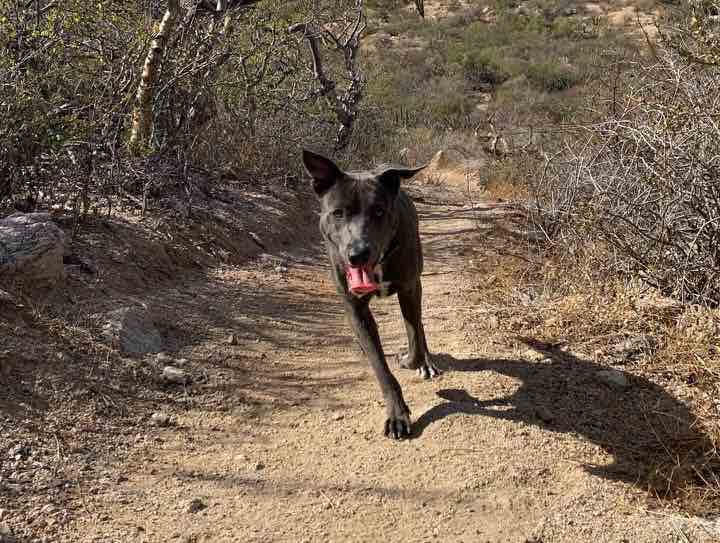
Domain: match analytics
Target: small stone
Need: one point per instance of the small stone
(160, 420)
(633, 347)
(171, 374)
(281, 269)
(543, 413)
(613, 378)
(163, 358)
(259, 466)
(196, 505)
(20, 452)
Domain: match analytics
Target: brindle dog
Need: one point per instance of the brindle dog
(370, 227)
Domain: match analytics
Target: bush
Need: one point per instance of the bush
(550, 76)
(484, 67)
(644, 182)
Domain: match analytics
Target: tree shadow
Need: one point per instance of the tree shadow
(655, 440)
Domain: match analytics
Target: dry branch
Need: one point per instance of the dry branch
(344, 104)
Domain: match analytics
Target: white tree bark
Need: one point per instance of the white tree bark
(142, 112)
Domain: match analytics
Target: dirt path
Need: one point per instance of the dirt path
(286, 445)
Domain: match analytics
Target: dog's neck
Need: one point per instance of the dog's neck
(391, 248)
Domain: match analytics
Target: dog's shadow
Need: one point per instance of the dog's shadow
(653, 437)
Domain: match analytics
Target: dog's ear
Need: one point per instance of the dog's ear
(323, 171)
(390, 176)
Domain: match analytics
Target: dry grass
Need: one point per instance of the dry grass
(610, 321)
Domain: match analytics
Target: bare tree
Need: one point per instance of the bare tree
(142, 112)
(206, 59)
(344, 103)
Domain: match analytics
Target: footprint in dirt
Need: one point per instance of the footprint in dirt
(652, 436)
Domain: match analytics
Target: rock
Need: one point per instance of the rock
(338, 416)
(163, 358)
(440, 161)
(544, 414)
(593, 9)
(131, 329)
(196, 505)
(259, 466)
(6, 535)
(7, 298)
(632, 347)
(31, 249)
(171, 374)
(613, 377)
(181, 362)
(281, 269)
(231, 340)
(526, 10)
(20, 452)
(160, 419)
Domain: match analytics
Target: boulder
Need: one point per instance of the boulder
(132, 331)
(31, 250)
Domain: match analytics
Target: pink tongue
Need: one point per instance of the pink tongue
(359, 280)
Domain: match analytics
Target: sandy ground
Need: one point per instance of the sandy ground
(282, 442)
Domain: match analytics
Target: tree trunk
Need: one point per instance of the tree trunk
(142, 112)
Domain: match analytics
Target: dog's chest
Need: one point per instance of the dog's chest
(387, 286)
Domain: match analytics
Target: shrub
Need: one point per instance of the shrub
(484, 67)
(643, 180)
(550, 76)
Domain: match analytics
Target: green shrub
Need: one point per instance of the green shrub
(552, 76)
(484, 67)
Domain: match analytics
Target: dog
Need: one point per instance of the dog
(370, 228)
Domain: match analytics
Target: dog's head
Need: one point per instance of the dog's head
(358, 215)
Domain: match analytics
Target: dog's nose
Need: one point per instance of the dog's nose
(359, 253)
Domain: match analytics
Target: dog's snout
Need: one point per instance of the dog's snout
(359, 253)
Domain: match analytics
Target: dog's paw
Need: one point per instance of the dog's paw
(397, 424)
(428, 370)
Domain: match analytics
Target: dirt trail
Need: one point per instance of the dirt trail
(286, 445)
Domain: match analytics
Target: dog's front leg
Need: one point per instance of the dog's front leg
(397, 424)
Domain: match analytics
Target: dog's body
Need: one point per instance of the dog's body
(370, 228)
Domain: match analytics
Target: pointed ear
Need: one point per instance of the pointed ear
(323, 171)
(390, 176)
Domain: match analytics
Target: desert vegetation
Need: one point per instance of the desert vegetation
(170, 123)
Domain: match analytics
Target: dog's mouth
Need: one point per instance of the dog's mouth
(361, 279)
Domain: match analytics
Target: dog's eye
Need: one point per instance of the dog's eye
(378, 212)
(338, 213)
